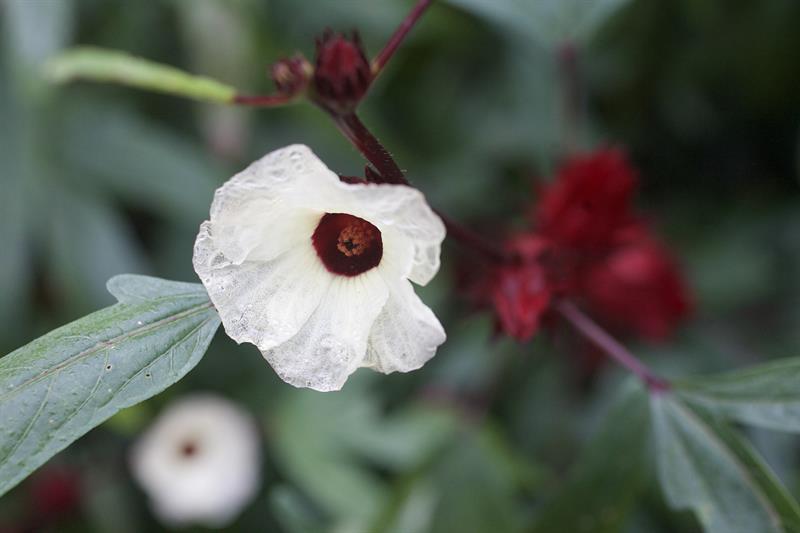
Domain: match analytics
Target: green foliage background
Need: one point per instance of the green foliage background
(491, 435)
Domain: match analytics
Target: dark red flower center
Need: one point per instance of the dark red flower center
(188, 449)
(347, 245)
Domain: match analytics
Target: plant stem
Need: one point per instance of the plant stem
(270, 100)
(400, 33)
(613, 348)
(371, 148)
(473, 240)
(571, 97)
(366, 143)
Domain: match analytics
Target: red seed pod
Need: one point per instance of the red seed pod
(342, 74)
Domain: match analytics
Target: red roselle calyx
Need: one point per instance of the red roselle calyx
(589, 245)
(342, 74)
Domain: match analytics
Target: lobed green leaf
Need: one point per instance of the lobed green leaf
(548, 22)
(60, 386)
(705, 466)
(766, 395)
(97, 64)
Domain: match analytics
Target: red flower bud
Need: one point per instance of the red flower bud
(517, 292)
(342, 74)
(520, 296)
(291, 75)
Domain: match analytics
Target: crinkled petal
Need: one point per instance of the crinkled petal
(405, 334)
(284, 193)
(265, 207)
(262, 302)
(333, 343)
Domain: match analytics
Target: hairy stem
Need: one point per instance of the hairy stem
(400, 33)
(366, 143)
(616, 351)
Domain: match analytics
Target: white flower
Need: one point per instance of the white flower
(200, 462)
(315, 272)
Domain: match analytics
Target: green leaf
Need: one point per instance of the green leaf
(88, 243)
(58, 387)
(705, 466)
(96, 64)
(36, 30)
(292, 511)
(549, 22)
(476, 485)
(15, 210)
(603, 486)
(145, 163)
(324, 444)
(766, 395)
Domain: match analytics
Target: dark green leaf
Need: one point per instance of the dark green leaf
(89, 243)
(324, 442)
(766, 395)
(292, 511)
(550, 22)
(475, 485)
(602, 487)
(58, 387)
(141, 161)
(705, 466)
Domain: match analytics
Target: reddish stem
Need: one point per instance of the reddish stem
(400, 33)
(611, 346)
(474, 240)
(366, 143)
(389, 172)
(270, 100)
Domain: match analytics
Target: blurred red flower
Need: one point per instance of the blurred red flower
(589, 200)
(588, 244)
(54, 492)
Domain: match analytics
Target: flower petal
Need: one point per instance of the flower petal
(262, 302)
(333, 343)
(405, 210)
(405, 334)
(264, 207)
(292, 182)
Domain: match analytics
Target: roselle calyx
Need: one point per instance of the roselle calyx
(342, 73)
(587, 244)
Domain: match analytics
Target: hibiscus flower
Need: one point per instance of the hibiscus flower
(317, 272)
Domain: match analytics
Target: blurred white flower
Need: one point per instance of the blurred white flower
(315, 272)
(200, 462)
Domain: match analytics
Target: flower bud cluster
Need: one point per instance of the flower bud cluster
(338, 79)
